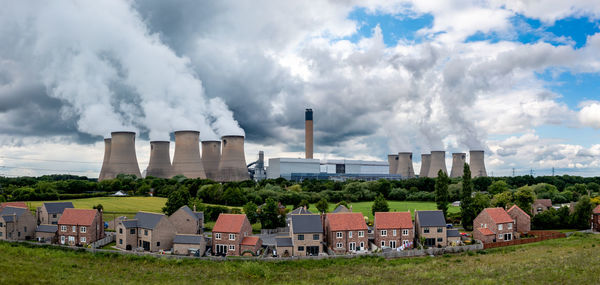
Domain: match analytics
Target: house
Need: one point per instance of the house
(147, 231)
(492, 225)
(596, 219)
(430, 227)
(187, 221)
(300, 211)
(80, 226)
(229, 232)
(184, 244)
(522, 219)
(50, 213)
(341, 209)
(453, 237)
(250, 246)
(16, 223)
(47, 233)
(306, 233)
(119, 193)
(394, 229)
(346, 232)
(540, 205)
(284, 246)
(13, 204)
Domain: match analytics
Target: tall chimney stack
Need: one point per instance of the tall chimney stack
(393, 162)
(211, 156)
(477, 163)
(405, 165)
(425, 162)
(160, 160)
(458, 164)
(187, 161)
(438, 161)
(233, 160)
(308, 136)
(122, 155)
(106, 161)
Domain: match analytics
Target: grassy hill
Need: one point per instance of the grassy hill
(573, 260)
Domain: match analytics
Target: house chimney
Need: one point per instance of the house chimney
(194, 207)
(350, 208)
(308, 136)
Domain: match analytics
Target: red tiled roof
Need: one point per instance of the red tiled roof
(13, 204)
(393, 220)
(516, 208)
(250, 240)
(346, 222)
(546, 202)
(82, 217)
(229, 223)
(597, 210)
(486, 231)
(499, 215)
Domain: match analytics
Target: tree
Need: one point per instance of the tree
(176, 200)
(250, 210)
(269, 215)
(583, 212)
(322, 206)
(304, 203)
(524, 198)
(498, 187)
(98, 207)
(480, 202)
(466, 200)
(503, 200)
(441, 191)
(234, 196)
(593, 186)
(380, 205)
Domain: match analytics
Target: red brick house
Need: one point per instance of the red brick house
(596, 219)
(229, 232)
(346, 232)
(394, 229)
(80, 226)
(250, 245)
(493, 225)
(540, 205)
(522, 219)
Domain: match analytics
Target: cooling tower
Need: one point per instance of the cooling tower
(122, 155)
(393, 162)
(458, 164)
(477, 163)
(438, 161)
(187, 161)
(160, 161)
(233, 161)
(105, 162)
(308, 135)
(405, 165)
(211, 156)
(425, 162)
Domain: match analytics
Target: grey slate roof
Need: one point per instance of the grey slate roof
(452, 233)
(341, 209)
(188, 239)
(200, 215)
(195, 215)
(8, 213)
(431, 219)
(306, 224)
(57, 207)
(284, 241)
(47, 228)
(147, 220)
(130, 223)
(299, 210)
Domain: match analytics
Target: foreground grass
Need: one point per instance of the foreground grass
(573, 260)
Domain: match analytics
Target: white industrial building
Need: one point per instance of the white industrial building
(300, 169)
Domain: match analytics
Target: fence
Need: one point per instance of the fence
(539, 236)
(110, 237)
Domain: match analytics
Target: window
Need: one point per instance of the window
(62, 239)
(338, 245)
(1, 225)
(440, 230)
(394, 232)
(426, 230)
(440, 239)
(54, 216)
(393, 244)
(158, 243)
(509, 226)
(120, 230)
(499, 227)
(352, 246)
(300, 237)
(383, 233)
(145, 232)
(231, 236)
(405, 242)
(74, 229)
(231, 247)
(338, 234)
(120, 241)
(361, 233)
(19, 234)
(300, 248)
(218, 236)
(82, 229)
(0, 234)
(132, 231)
(500, 236)
(382, 243)
(82, 239)
(350, 234)
(71, 239)
(316, 237)
(404, 232)
(485, 226)
(25, 229)
(63, 228)
(481, 226)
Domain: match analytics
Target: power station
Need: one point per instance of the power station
(458, 164)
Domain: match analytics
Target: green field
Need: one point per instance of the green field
(115, 206)
(573, 260)
(395, 206)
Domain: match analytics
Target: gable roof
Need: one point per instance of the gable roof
(393, 220)
(253, 240)
(57, 207)
(13, 204)
(485, 231)
(146, 220)
(130, 223)
(544, 202)
(188, 239)
(229, 223)
(47, 228)
(300, 210)
(283, 241)
(341, 209)
(82, 217)
(8, 213)
(516, 208)
(431, 218)
(499, 215)
(596, 210)
(346, 222)
(452, 233)
(302, 224)
(191, 213)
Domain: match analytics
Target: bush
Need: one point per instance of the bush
(421, 196)
(398, 194)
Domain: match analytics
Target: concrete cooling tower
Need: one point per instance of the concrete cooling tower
(438, 161)
(211, 157)
(122, 158)
(458, 164)
(425, 162)
(393, 162)
(233, 161)
(405, 165)
(105, 162)
(160, 161)
(477, 164)
(187, 161)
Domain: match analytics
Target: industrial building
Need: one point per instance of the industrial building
(298, 169)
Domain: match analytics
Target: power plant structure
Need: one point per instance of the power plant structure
(437, 163)
(405, 165)
(122, 158)
(187, 161)
(308, 133)
(458, 164)
(211, 156)
(232, 166)
(425, 162)
(258, 172)
(477, 164)
(393, 163)
(160, 160)
(105, 162)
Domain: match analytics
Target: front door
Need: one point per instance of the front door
(430, 242)
(393, 244)
(221, 249)
(312, 250)
(352, 246)
(507, 237)
(146, 245)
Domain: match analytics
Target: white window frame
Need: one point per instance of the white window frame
(82, 230)
(500, 236)
(384, 233)
(509, 226)
(352, 246)
(231, 247)
(500, 227)
(231, 236)
(63, 228)
(393, 244)
(382, 243)
(405, 241)
(339, 235)
(83, 239)
(339, 245)
(362, 245)
(405, 232)
(74, 229)
(217, 235)
(361, 233)
(71, 238)
(350, 234)
(394, 233)
(62, 239)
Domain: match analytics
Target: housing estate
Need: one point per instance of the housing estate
(16, 223)
(50, 213)
(146, 231)
(430, 227)
(306, 233)
(47, 233)
(229, 232)
(80, 226)
(394, 229)
(346, 232)
(492, 225)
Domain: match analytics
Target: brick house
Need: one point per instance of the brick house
(306, 233)
(187, 221)
(47, 233)
(522, 219)
(50, 213)
(394, 229)
(493, 225)
(183, 244)
(13, 204)
(540, 205)
(284, 246)
(80, 226)
(229, 232)
(346, 232)
(596, 219)
(250, 245)
(147, 231)
(16, 224)
(431, 226)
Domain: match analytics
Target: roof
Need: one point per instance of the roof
(283, 241)
(8, 213)
(130, 223)
(250, 240)
(346, 222)
(146, 220)
(229, 223)
(485, 231)
(453, 233)
(393, 220)
(82, 217)
(57, 207)
(300, 210)
(194, 215)
(188, 239)
(516, 208)
(499, 215)
(544, 202)
(596, 210)
(431, 218)
(13, 204)
(47, 228)
(199, 215)
(302, 224)
(341, 209)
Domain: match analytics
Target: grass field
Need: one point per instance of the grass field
(122, 205)
(395, 206)
(573, 260)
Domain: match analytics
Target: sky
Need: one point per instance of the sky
(518, 79)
